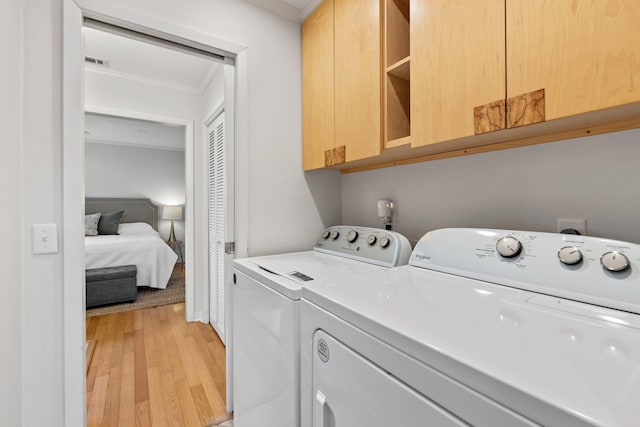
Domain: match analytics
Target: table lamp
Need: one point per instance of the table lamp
(172, 212)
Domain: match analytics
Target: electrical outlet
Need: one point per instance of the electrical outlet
(579, 224)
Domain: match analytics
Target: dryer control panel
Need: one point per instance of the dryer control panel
(366, 244)
(582, 268)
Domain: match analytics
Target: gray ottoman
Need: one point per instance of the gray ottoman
(111, 285)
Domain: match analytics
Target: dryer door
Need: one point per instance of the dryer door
(350, 391)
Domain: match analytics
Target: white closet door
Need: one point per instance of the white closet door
(219, 224)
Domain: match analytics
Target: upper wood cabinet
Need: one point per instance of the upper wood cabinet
(341, 54)
(457, 64)
(585, 54)
(358, 84)
(318, 129)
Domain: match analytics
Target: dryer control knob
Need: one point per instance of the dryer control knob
(326, 234)
(509, 247)
(335, 234)
(614, 261)
(385, 242)
(570, 255)
(371, 240)
(352, 236)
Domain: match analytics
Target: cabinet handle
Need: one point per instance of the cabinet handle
(328, 158)
(335, 156)
(526, 109)
(322, 400)
(489, 117)
(340, 154)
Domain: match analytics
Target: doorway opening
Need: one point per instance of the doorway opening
(233, 65)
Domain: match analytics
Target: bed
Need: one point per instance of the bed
(138, 242)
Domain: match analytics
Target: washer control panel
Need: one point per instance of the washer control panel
(582, 268)
(372, 245)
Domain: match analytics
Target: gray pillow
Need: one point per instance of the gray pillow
(91, 224)
(109, 222)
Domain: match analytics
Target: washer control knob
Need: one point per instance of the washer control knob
(614, 261)
(352, 236)
(570, 255)
(371, 240)
(326, 234)
(385, 242)
(509, 247)
(335, 234)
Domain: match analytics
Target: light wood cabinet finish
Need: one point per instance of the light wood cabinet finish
(457, 64)
(585, 54)
(341, 54)
(318, 86)
(358, 55)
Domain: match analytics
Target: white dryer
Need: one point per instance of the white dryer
(483, 328)
(266, 316)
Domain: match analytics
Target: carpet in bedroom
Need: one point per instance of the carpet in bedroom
(148, 297)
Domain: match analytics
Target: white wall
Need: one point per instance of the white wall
(524, 188)
(11, 202)
(116, 170)
(42, 284)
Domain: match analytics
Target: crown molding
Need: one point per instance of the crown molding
(132, 144)
(141, 79)
(280, 8)
(213, 72)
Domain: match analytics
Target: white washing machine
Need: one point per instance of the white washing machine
(266, 316)
(483, 328)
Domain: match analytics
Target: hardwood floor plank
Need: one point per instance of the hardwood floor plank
(140, 367)
(202, 404)
(127, 412)
(188, 406)
(142, 414)
(167, 385)
(214, 397)
(112, 403)
(149, 321)
(156, 398)
(95, 411)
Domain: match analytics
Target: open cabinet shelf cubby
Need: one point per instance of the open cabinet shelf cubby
(397, 73)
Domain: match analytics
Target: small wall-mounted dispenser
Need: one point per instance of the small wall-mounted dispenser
(385, 213)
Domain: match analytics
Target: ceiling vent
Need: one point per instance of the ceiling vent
(96, 61)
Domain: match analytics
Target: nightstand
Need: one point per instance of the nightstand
(176, 245)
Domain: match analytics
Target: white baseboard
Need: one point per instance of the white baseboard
(199, 316)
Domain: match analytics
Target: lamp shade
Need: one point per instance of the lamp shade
(172, 212)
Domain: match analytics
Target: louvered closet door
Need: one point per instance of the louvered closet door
(218, 224)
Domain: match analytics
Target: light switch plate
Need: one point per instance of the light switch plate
(45, 238)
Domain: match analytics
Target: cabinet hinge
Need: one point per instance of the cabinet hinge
(229, 247)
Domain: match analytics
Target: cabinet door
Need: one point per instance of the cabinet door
(585, 54)
(318, 86)
(457, 65)
(357, 78)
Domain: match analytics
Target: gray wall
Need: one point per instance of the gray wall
(597, 178)
(116, 170)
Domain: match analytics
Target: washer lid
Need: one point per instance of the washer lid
(555, 366)
(288, 273)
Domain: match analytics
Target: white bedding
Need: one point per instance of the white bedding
(138, 244)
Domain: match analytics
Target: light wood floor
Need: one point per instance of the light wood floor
(151, 368)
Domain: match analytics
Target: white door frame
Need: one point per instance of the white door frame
(74, 11)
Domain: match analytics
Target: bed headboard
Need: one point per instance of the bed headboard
(135, 210)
